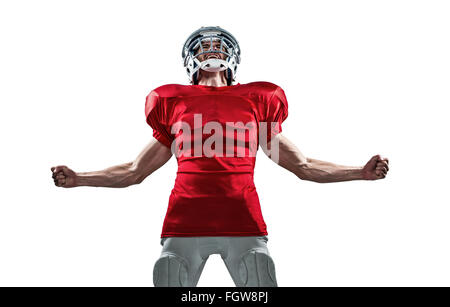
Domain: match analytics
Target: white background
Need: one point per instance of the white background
(361, 78)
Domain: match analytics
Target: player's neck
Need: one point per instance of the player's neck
(212, 78)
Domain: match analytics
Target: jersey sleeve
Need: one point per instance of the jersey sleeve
(157, 117)
(276, 112)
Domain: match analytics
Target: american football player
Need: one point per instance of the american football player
(214, 126)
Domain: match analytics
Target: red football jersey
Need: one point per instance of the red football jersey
(214, 193)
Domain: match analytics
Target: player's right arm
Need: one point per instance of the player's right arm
(154, 155)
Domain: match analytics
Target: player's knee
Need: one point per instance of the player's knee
(170, 270)
(257, 269)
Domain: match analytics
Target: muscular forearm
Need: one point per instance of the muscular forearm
(324, 172)
(149, 160)
(118, 176)
(305, 168)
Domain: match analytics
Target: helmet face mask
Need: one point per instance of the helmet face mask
(204, 41)
(199, 49)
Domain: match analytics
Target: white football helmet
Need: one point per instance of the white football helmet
(229, 46)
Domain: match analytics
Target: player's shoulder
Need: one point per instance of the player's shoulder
(170, 90)
(262, 86)
(263, 91)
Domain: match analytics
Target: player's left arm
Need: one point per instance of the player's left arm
(290, 158)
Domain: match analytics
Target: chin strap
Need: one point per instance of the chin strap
(214, 65)
(228, 76)
(194, 77)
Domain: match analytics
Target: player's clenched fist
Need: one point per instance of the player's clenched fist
(376, 168)
(64, 176)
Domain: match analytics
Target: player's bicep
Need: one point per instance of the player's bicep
(286, 154)
(152, 157)
(289, 150)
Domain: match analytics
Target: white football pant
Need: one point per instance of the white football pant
(183, 258)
